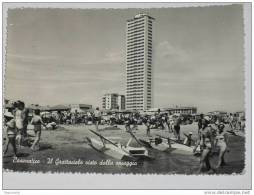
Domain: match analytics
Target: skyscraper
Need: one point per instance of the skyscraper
(139, 62)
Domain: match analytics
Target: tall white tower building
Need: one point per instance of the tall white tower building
(139, 62)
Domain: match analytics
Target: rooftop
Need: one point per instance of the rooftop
(140, 15)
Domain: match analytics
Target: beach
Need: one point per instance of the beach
(66, 150)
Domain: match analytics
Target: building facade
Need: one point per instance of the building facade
(121, 102)
(182, 110)
(80, 107)
(139, 62)
(113, 101)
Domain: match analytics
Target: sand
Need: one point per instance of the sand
(69, 143)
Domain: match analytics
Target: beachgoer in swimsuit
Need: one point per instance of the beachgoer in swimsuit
(19, 120)
(221, 141)
(177, 122)
(37, 122)
(97, 118)
(11, 132)
(205, 145)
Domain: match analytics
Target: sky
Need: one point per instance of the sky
(59, 56)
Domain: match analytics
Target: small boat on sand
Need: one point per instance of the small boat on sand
(168, 144)
(116, 149)
(153, 143)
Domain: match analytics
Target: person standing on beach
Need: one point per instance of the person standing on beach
(221, 142)
(11, 132)
(37, 122)
(135, 118)
(230, 119)
(177, 122)
(234, 121)
(97, 117)
(167, 121)
(19, 120)
(147, 122)
(205, 145)
(127, 123)
(25, 121)
(200, 122)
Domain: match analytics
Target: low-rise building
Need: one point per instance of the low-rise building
(113, 101)
(182, 110)
(217, 113)
(80, 107)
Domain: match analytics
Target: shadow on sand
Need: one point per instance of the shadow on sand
(23, 154)
(45, 146)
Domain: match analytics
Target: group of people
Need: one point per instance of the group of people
(156, 121)
(236, 122)
(212, 138)
(16, 121)
(67, 117)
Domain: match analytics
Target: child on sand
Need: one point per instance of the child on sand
(11, 132)
(37, 122)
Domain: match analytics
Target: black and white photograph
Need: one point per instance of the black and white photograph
(125, 90)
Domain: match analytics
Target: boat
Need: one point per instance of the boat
(137, 152)
(151, 143)
(183, 149)
(169, 144)
(116, 149)
(108, 149)
(155, 143)
(179, 148)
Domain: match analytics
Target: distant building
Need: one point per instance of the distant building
(139, 62)
(80, 107)
(113, 101)
(71, 107)
(121, 102)
(217, 113)
(182, 110)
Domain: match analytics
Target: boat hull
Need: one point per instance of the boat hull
(140, 153)
(109, 149)
(162, 146)
(183, 149)
(173, 148)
